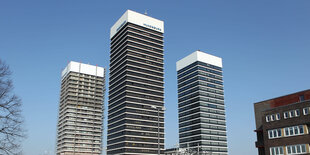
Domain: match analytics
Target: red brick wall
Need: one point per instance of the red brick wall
(289, 99)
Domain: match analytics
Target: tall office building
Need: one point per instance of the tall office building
(136, 86)
(202, 124)
(80, 122)
(282, 124)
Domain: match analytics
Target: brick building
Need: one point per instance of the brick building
(282, 124)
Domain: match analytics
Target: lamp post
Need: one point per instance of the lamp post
(198, 149)
(158, 140)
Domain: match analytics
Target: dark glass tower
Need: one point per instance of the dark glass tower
(136, 91)
(202, 124)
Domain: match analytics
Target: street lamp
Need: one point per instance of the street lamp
(158, 140)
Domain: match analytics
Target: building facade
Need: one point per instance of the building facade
(80, 118)
(282, 124)
(202, 122)
(136, 86)
(175, 151)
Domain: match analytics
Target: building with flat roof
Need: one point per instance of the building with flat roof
(136, 86)
(80, 118)
(202, 122)
(282, 124)
(175, 151)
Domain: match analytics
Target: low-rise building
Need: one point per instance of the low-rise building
(282, 124)
(176, 151)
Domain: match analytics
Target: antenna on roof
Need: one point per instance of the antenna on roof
(145, 12)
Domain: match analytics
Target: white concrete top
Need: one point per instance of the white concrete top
(199, 56)
(83, 68)
(139, 19)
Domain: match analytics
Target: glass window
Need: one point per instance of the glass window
(293, 149)
(279, 133)
(277, 151)
(296, 130)
(273, 151)
(297, 113)
(298, 149)
(273, 117)
(268, 118)
(292, 113)
(291, 131)
(286, 132)
(303, 148)
(281, 150)
(285, 115)
(306, 111)
(270, 134)
(278, 116)
(301, 129)
(274, 133)
(289, 151)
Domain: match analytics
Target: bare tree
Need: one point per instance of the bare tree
(11, 120)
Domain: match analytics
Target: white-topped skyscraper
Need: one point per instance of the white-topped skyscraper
(202, 122)
(80, 120)
(136, 86)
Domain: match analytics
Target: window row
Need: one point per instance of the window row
(196, 64)
(272, 117)
(288, 131)
(276, 151)
(275, 133)
(291, 114)
(296, 149)
(287, 114)
(294, 130)
(290, 150)
(203, 86)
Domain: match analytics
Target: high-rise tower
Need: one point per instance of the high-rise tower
(202, 124)
(80, 122)
(136, 86)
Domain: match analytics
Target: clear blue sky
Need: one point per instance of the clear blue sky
(265, 46)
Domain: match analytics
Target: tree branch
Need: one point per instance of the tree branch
(11, 121)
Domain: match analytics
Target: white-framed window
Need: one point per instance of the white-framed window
(268, 118)
(306, 111)
(297, 112)
(276, 150)
(296, 149)
(285, 115)
(278, 116)
(301, 130)
(294, 130)
(279, 131)
(275, 133)
(272, 117)
(291, 113)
